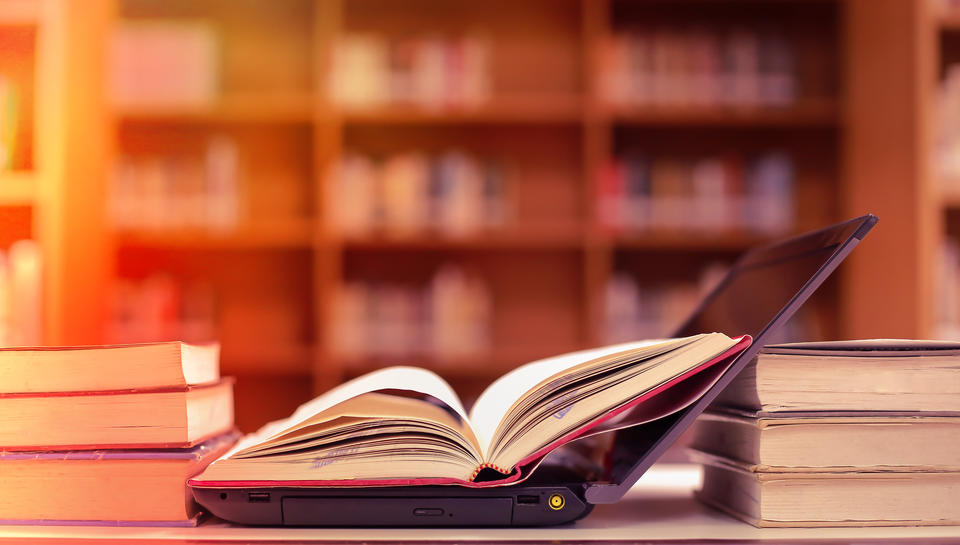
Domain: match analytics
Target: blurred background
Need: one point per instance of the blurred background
(331, 186)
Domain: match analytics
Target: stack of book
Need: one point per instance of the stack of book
(948, 136)
(844, 433)
(109, 435)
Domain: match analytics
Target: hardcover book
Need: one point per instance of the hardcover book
(159, 418)
(850, 498)
(859, 375)
(104, 487)
(46, 369)
(832, 442)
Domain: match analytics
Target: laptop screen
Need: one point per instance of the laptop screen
(756, 291)
(759, 294)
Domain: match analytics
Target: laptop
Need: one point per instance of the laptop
(763, 289)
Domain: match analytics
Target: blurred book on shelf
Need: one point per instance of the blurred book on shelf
(947, 294)
(449, 318)
(453, 194)
(429, 72)
(947, 152)
(160, 308)
(21, 274)
(709, 194)
(171, 63)
(946, 7)
(9, 123)
(666, 66)
(178, 191)
(635, 311)
(948, 129)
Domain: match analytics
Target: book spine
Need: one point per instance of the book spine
(24, 294)
(708, 194)
(449, 319)
(430, 72)
(162, 307)
(9, 123)
(179, 191)
(453, 194)
(697, 67)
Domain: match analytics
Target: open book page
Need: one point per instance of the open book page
(366, 416)
(496, 401)
(573, 406)
(366, 433)
(676, 399)
(392, 378)
(370, 437)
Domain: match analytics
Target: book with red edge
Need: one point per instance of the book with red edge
(148, 418)
(105, 487)
(104, 368)
(405, 425)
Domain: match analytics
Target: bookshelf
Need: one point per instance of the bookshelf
(540, 112)
(46, 50)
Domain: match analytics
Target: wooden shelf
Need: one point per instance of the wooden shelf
(20, 12)
(480, 366)
(17, 188)
(805, 114)
(272, 108)
(539, 239)
(525, 110)
(294, 234)
(258, 359)
(692, 241)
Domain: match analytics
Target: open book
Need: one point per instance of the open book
(404, 425)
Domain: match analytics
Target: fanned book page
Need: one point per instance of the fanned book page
(404, 425)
